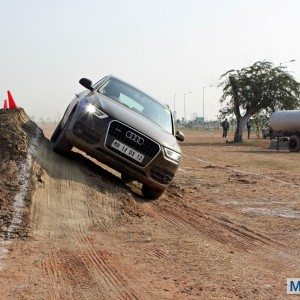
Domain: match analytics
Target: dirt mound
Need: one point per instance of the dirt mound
(17, 135)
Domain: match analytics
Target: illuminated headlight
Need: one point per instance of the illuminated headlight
(172, 154)
(92, 109)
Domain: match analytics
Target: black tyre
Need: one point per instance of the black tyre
(294, 143)
(150, 193)
(60, 143)
(56, 132)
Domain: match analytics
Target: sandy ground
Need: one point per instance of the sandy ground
(227, 228)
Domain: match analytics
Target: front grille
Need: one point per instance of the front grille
(161, 175)
(85, 133)
(117, 131)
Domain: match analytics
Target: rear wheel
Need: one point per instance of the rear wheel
(150, 193)
(294, 143)
(60, 143)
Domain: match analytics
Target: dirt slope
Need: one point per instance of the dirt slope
(92, 237)
(17, 134)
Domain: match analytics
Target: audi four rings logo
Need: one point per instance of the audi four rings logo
(134, 137)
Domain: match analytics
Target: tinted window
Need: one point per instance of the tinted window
(138, 102)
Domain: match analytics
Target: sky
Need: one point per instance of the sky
(163, 47)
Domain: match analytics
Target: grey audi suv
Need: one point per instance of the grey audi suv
(124, 128)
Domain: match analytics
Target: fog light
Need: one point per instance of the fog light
(79, 131)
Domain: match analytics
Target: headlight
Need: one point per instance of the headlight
(172, 154)
(92, 109)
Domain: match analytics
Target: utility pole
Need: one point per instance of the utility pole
(174, 101)
(184, 105)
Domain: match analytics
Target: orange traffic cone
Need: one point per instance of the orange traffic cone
(5, 104)
(11, 102)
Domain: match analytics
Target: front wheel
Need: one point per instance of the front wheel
(60, 144)
(294, 143)
(150, 193)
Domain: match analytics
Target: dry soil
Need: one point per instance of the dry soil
(228, 227)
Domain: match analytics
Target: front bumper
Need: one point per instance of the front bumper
(94, 136)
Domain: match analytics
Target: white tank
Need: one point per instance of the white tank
(285, 120)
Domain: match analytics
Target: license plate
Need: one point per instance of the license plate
(128, 151)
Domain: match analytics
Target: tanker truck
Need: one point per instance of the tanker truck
(286, 124)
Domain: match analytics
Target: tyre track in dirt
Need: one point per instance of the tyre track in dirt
(96, 274)
(189, 217)
(95, 238)
(68, 216)
(189, 212)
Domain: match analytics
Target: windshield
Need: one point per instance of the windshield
(138, 102)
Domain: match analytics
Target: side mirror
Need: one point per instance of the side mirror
(86, 83)
(179, 136)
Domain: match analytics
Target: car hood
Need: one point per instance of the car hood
(136, 121)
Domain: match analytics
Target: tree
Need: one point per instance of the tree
(261, 86)
(259, 122)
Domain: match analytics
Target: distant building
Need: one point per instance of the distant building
(199, 120)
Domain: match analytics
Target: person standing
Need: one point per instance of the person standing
(249, 128)
(225, 126)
